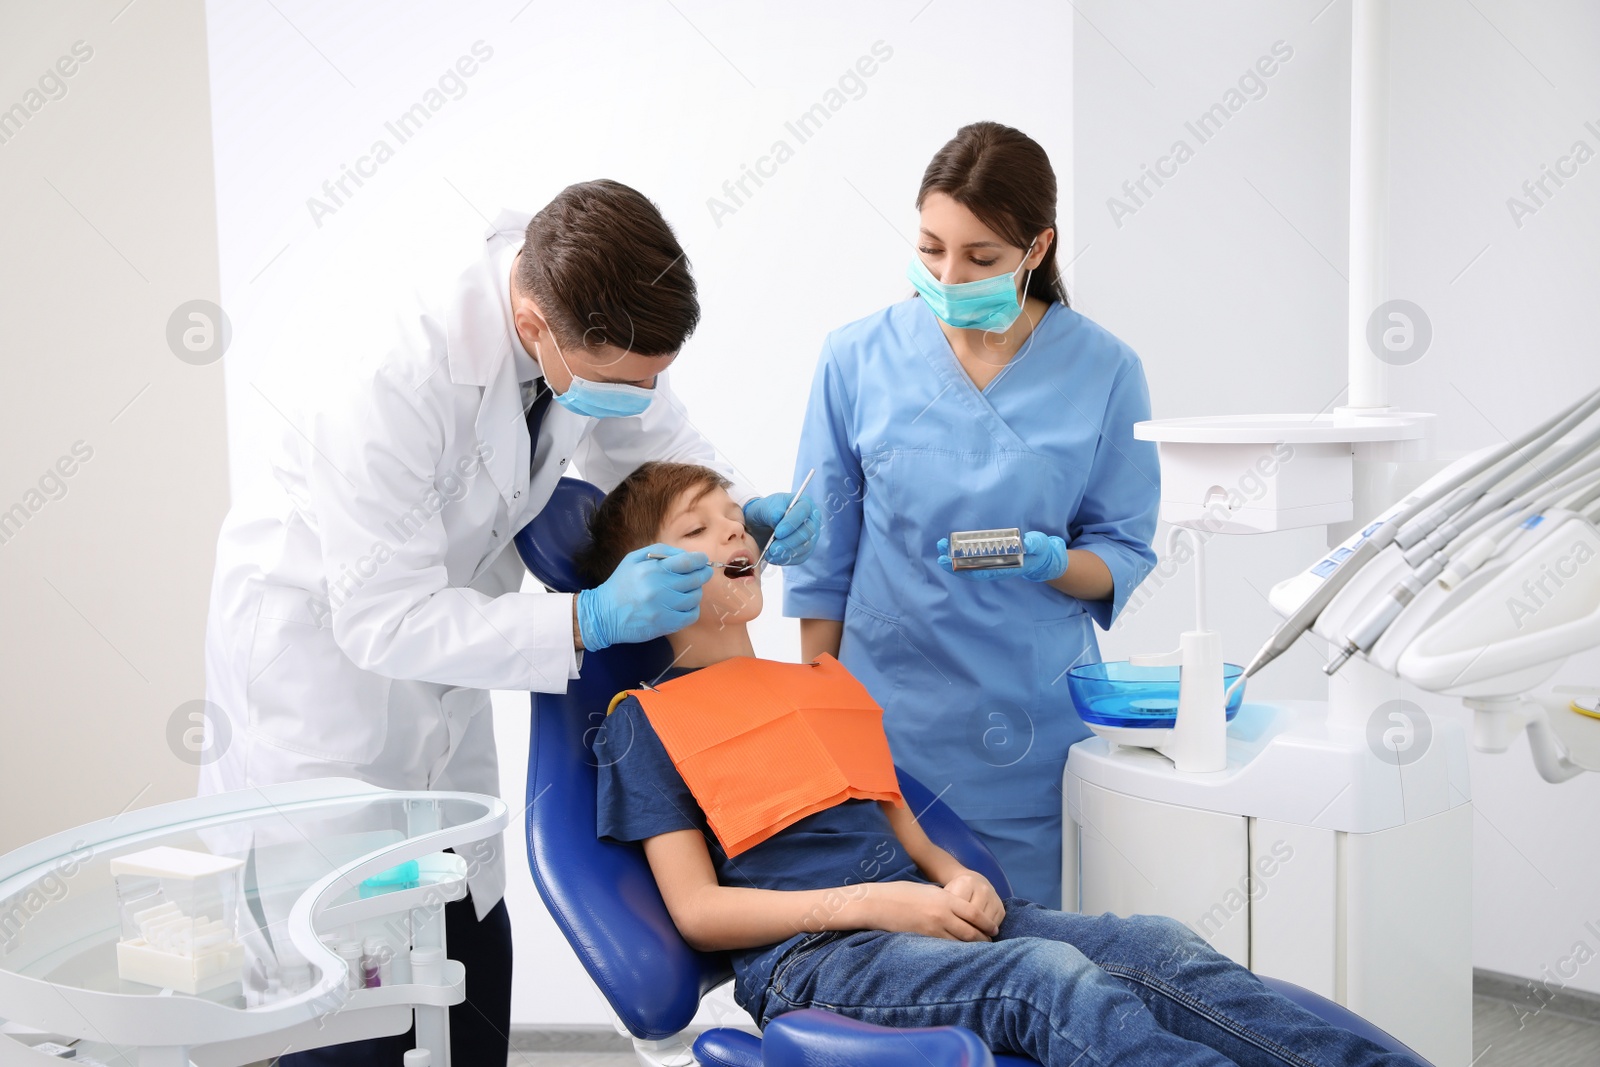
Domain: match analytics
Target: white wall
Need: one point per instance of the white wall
(1228, 281)
(672, 98)
(112, 470)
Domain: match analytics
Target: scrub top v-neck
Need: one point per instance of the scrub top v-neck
(907, 448)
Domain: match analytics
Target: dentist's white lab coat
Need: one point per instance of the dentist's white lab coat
(365, 598)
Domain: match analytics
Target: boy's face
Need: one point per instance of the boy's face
(710, 521)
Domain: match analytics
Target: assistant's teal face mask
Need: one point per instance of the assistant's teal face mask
(986, 304)
(602, 400)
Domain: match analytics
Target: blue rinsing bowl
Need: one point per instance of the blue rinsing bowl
(1120, 694)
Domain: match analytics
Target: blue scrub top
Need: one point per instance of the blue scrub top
(972, 674)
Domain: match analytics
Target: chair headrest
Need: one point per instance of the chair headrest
(548, 544)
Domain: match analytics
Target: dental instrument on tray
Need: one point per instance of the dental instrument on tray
(986, 550)
(761, 560)
(1438, 515)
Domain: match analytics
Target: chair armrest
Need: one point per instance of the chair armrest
(724, 1046)
(814, 1038)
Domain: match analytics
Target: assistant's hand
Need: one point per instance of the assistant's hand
(1044, 559)
(644, 598)
(920, 908)
(793, 537)
(971, 886)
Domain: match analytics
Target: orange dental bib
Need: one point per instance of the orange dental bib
(761, 744)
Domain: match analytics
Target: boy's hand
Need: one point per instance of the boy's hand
(918, 908)
(971, 886)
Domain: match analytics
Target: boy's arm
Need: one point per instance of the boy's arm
(713, 917)
(936, 864)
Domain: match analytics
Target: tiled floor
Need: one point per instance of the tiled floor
(570, 1048)
(1505, 1034)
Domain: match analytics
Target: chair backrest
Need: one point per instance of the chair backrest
(602, 894)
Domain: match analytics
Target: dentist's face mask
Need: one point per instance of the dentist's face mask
(601, 400)
(986, 304)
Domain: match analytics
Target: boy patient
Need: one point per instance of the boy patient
(853, 909)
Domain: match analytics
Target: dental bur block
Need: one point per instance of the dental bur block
(986, 550)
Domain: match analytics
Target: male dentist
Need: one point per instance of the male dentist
(366, 596)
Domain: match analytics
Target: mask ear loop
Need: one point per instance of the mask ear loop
(562, 356)
(1022, 301)
(1022, 309)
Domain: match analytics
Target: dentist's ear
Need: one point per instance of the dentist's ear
(531, 324)
(1041, 245)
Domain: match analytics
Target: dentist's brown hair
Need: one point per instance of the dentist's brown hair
(606, 269)
(1003, 177)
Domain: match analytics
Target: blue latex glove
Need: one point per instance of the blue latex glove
(644, 598)
(1044, 559)
(793, 537)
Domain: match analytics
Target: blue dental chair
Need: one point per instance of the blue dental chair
(604, 898)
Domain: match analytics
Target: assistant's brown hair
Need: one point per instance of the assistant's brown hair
(1004, 177)
(631, 515)
(606, 269)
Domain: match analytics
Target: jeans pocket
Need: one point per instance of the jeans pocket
(802, 949)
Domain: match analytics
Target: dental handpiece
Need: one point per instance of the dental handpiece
(1469, 484)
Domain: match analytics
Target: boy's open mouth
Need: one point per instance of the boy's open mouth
(740, 566)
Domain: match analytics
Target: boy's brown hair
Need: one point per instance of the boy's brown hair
(606, 269)
(631, 515)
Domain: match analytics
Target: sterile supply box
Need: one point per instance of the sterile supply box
(179, 911)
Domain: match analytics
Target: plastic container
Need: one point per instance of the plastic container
(1120, 694)
(407, 875)
(349, 951)
(373, 953)
(179, 911)
(427, 966)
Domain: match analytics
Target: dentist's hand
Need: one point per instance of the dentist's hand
(1044, 559)
(644, 598)
(793, 537)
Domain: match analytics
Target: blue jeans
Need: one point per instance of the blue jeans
(1068, 989)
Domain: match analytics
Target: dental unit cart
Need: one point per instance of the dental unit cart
(1290, 845)
(232, 928)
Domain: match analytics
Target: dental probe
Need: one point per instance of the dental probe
(761, 559)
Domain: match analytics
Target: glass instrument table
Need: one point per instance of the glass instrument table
(306, 848)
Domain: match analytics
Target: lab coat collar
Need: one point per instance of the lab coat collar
(480, 336)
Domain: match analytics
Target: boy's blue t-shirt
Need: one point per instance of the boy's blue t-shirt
(641, 794)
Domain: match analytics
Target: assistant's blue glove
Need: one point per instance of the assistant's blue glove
(644, 598)
(793, 537)
(1044, 559)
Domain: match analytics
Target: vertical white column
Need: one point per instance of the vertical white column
(1369, 194)
(427, 932)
